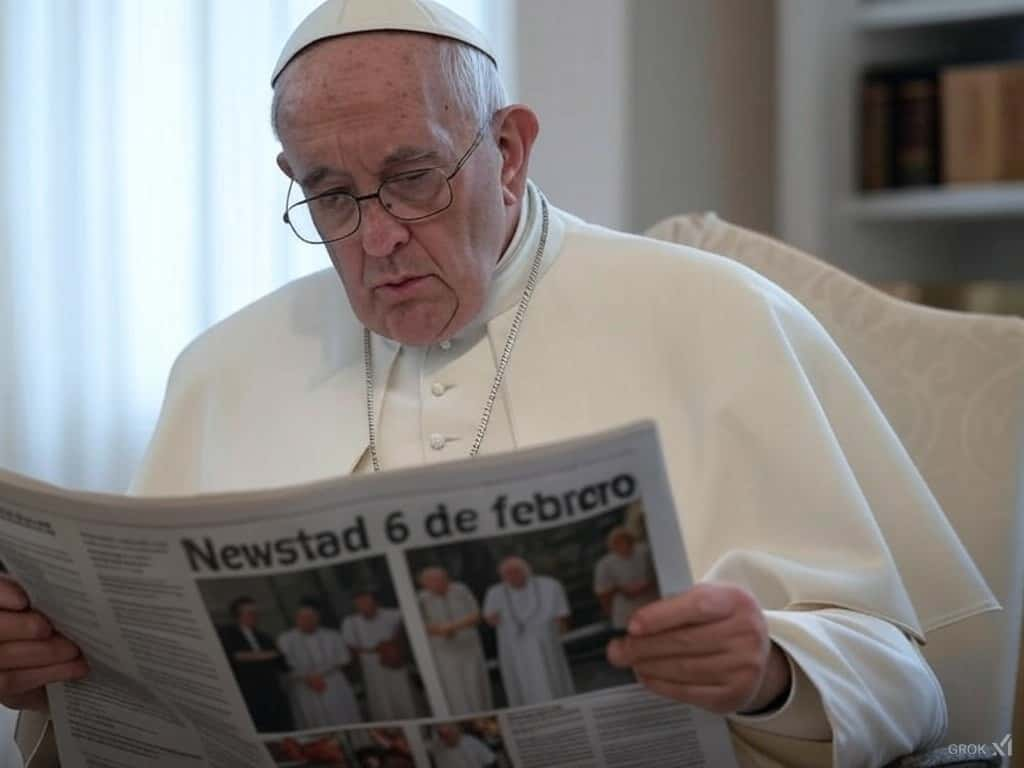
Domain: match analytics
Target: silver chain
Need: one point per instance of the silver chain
(503, 361)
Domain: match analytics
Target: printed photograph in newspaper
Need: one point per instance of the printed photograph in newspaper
(350, 748)
(524, 619)
(476, 743)
(317, 648)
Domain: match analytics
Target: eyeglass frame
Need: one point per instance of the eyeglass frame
(359, 199)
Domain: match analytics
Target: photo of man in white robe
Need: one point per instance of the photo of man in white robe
(376, 635)
(624, 578)
(451, 748)
(452, 614)
(319, 692)
(530, 614)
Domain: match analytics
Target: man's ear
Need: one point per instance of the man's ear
(282, 163)
(516, 132)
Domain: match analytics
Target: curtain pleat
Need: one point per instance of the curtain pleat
(140, 203)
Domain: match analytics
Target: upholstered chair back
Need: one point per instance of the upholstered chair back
(952, 386)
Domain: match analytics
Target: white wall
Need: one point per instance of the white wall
(574, 72)
(703, 102)
(652, 107)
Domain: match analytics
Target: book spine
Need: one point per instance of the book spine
(917, 131)
(1013, 123)
(983, 114)
(876, 167)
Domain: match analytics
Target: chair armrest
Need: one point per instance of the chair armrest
(943, 756)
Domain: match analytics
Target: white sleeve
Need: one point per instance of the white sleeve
(469, 604)
(858, 681)
(492, 602)
(480, 750)
(348, 632)
(604, 581)
(341, 652)
(560, 603)
(394, 621)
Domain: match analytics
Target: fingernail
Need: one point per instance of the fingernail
(612, 651)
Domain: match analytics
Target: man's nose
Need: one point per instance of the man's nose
(381, 232)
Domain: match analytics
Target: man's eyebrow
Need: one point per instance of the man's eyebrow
(402, 154)
(405, 154)
(321, 172)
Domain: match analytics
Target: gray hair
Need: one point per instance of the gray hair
(472, 79)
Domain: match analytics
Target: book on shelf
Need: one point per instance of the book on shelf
(952, 124)
(900, 144)
(983, 117)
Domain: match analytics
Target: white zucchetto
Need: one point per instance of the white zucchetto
(335, 18)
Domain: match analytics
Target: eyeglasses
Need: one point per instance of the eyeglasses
(412, 196)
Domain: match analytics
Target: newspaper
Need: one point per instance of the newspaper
(450, 616)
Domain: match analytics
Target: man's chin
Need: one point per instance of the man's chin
(422, 333)
(422, 325)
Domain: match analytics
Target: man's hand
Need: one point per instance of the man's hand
(709, 647)
(636, 589)
(316, 683)
(441, 630)
(31, 653)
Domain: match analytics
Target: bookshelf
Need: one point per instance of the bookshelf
(968, 232)
(962, 202)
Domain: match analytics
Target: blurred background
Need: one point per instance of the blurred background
(141, 202)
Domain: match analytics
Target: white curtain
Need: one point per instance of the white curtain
(140, 203)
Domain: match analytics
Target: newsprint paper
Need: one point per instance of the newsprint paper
(454, 616)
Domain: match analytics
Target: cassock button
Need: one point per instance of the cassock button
(437, 388)
(437, 441)
(445, 345)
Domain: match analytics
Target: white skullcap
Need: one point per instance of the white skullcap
(335, 18)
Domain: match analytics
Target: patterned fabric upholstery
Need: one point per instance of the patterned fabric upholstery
(952, 386)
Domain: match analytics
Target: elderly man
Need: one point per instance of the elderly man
(530, 614)
(451, 615)
(472, 316)
(624, 578)
(451, 748)
(318, 688)
(377, 636)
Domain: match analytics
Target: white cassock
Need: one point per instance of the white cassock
(534, 668)
(616, 572)
(787, 478)
(389, 691)
(320, 652)
(470, 752)
(459, 658)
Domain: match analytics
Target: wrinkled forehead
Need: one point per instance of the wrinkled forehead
(373, 77)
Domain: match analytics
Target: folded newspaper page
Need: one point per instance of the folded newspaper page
(453, 616)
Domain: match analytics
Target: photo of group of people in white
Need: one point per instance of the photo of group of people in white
(317, 648)
(537, 608)
(510, 621)
(475, 743)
